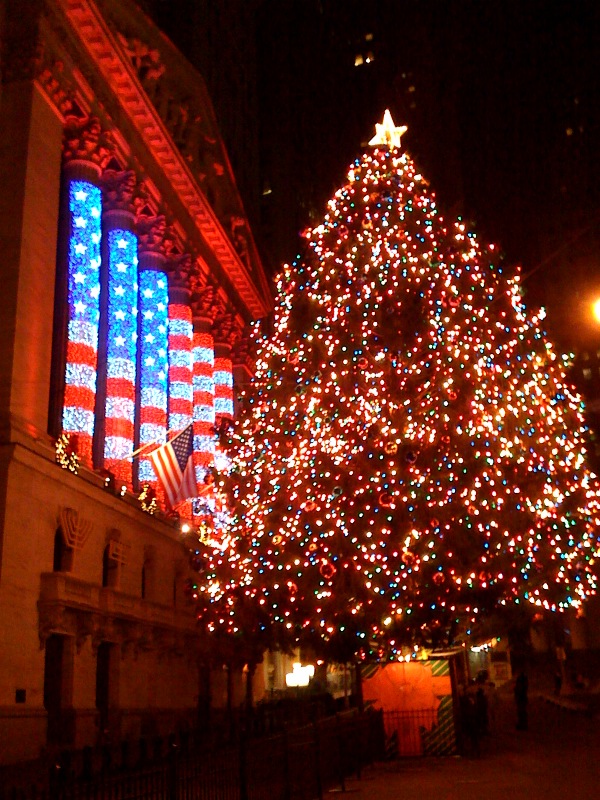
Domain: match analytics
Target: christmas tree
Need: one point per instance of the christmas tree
(410, 455)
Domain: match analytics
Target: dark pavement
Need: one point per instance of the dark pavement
(558, 757)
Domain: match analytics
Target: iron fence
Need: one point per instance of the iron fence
(297, 764)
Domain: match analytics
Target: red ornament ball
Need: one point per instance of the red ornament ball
(386, 499)
(327, 570)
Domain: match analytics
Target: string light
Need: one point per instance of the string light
(204, 403)
(410, 454)
(121, 349)
(85, 203)
(66, 453)
(154, 366)
(180, 366)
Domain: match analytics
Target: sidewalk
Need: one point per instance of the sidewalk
(556, 759)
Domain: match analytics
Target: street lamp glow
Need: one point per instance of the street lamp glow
(597, 310)
(300, 676)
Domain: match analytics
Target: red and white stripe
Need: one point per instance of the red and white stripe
(204, 403)
(181, 402)
(223, 377)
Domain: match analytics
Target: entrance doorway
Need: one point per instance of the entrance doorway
(58, 688)
(107, 677)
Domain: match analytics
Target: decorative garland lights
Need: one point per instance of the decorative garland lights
(66, 452)
(204, 404)
(154, 359)
(410, 455)
(223, 377)
(85, 208)
(181, 398)
(154, 366)
(122, 312)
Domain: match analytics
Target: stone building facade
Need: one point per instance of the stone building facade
(120, 224)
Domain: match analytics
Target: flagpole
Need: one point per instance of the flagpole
(157, 444)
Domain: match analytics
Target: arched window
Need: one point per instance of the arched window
(110, 568)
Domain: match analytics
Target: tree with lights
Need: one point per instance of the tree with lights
(409, 456)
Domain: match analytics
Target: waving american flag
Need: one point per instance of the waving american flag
(174, 467)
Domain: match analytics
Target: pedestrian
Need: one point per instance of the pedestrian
(521, 699)
(468, 721)
(493, 701)
(481, 711)
(557, 682)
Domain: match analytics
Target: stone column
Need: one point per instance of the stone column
(153, 345)
(225, 337)
(180, 345)
(118, 329)
(181, 339)
(77, 306)
(204, 310)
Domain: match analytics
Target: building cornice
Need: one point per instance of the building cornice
(121, 83)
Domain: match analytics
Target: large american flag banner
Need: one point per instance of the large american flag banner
(174, 466)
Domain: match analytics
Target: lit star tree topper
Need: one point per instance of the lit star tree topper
(386, 133)
(410, 455)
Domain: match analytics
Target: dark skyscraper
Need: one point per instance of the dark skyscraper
(500, 100)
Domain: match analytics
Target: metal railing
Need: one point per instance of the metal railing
(298, 764)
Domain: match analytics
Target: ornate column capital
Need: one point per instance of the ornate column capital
(118, 197)
(179, 269)
(87, 148)
(204, 307)
(224, 332)
(151, 241)
(227, 329)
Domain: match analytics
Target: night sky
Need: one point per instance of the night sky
(501, 100)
